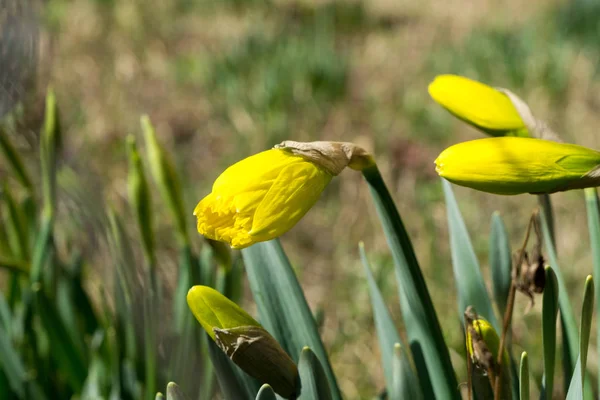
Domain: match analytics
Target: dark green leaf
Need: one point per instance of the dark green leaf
(427, 344)
(266, 393)
(524, 377)
(549, 314)
(405, 384)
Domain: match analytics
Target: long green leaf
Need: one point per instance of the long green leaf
(577, 385)
(405, 384)
(11, 364)
(593, 212)
(67, 352)
(549, 314)
(567, 317)
(500, 262)
(467, 273)
(426, 340)
(14, 160)
(524, 377)
(399, 375)
(282, 308)
(386, 331)
(312, 377)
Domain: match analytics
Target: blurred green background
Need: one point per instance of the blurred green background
(224, 79)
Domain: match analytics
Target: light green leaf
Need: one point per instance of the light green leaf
(405, 384)
(266, 393)
(524, 377)
(500, 262)
(312, 377)
(282, 307)
(467, 273)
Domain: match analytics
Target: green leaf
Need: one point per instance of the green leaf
(549, 314)
(50, 142)
(281, 304)
(405, 384)
(568, 322)
(467, 273)
(11, 364)
(312, 377)
(14, 160)
(64, 349)
(524, 377)
(174, 392)
(500, 262)
(266, 393)
(235, 384)
(386, 331)
(593, 211)
(429, 350)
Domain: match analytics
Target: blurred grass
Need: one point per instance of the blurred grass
(222, 80)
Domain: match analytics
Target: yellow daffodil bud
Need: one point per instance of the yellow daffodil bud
(477, 104)
(265, 195)
(496, 111)
(244, 340)
(511, 165)
(483, 344)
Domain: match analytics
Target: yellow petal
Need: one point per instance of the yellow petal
(477, 104)
(512, 165)
(296, 190)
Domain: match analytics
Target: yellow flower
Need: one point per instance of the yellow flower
(265, 195)
(480, 105)
(511, 165)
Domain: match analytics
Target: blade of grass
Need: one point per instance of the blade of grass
(281, 304)
(429, 350)
(12, 365)
(312, 377)
(549, 314)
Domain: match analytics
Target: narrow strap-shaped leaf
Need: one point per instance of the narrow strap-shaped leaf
(500, 261)
(384, 324)
(567, 316)
(524, 377)
(593, 212)
(405, 384)
(549, 314)
(281, 304)
(64, 349)
(266, 393)
(429, 350)
(14, 160)
(235, 384)
(467, 273)
(577, 385)
(312, 377)
(11, 364)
